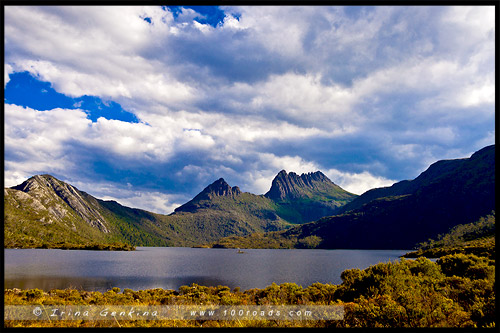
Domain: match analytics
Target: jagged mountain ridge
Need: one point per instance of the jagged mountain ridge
(307, 197)
(448, 193)
(290, 186)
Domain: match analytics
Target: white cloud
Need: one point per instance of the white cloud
(130, 140)
(476, 22)
(305, 99)
(238, 99)
(279, 29)
(155, 202)
(230, 22)
(488, 139)
(445, 135)
(98, 52)
(258, 180)
(288, 163)
(357, 183)
(474, 95)
(152, 201)
(6, 71)
(38, 140)
(13, 178)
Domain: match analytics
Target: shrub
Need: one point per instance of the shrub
(466, 265)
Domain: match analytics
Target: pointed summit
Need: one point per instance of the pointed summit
(219, 188)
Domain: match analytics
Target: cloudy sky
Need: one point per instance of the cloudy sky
(148, 105)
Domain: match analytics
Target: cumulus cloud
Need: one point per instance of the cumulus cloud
(153, 201)
(358, 183)
(37, 141)
(365, 94)
(6, 71)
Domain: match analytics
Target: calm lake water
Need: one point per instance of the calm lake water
(170, 268)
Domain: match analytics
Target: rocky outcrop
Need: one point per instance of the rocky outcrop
(219, 188)
(292, 186)
(56, 196)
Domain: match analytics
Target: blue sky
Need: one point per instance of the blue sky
(148, 105)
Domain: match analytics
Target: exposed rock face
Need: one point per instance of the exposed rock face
(219, 188)
(292, 186)
(49, 191)
(307, 197)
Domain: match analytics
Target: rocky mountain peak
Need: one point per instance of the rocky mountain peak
(50, 191)
(219, 188)
(290, 185)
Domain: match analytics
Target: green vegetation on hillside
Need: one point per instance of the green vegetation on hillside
(28, 223)
(473, 238)
(44, 211)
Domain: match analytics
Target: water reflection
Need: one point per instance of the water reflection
(170, 268)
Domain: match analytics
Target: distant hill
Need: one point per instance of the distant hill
(448, 193)
(43, 211)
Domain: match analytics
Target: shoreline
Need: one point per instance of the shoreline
(72, 246)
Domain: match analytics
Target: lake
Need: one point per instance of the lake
(172, 267)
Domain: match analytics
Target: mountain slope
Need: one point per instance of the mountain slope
(36, 213)
(44, 210)
(448, 193)
(476, 238)
(206, 198)
(437, 172)
(221, 210)
(50, 191)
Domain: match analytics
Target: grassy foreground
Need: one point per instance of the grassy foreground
(457, 290)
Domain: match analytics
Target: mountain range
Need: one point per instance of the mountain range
(299, 211)
(448, 193)
(43, 211)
